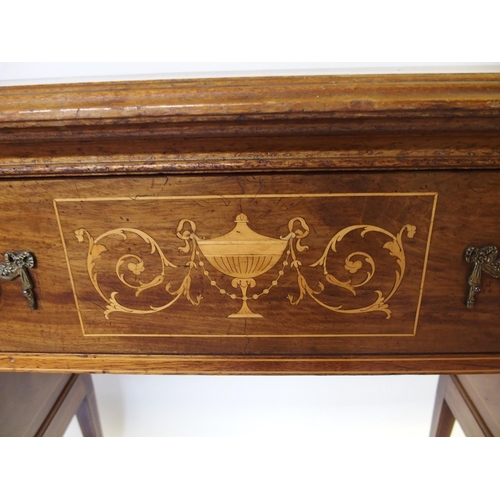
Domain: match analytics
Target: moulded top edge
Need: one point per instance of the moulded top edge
(255, 96)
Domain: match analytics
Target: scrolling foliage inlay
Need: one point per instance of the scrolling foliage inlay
(244, 255)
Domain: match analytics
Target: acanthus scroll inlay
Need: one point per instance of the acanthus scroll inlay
(244, 255)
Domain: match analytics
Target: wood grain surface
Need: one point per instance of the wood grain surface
(82, 166)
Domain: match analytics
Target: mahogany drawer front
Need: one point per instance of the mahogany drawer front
(293, 266)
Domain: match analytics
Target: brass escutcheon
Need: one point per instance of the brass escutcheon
(17, 264)
(483, 259)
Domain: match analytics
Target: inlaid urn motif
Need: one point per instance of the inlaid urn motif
(244, 255)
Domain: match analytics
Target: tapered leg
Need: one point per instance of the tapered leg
(87, 414)
(442, 418)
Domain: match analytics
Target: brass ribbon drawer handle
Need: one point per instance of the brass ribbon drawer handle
(484, 259)
(17, 264)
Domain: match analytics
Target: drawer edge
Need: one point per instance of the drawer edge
(248, 365)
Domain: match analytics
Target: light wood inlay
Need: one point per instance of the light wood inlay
(344, 268)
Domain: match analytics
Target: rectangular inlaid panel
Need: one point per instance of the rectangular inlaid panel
(295, 265)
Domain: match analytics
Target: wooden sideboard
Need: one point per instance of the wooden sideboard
(262, 225)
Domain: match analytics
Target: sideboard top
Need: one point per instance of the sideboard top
(205, 99)
(250, 124)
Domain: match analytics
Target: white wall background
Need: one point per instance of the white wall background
(341, 406)
(15, 73)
